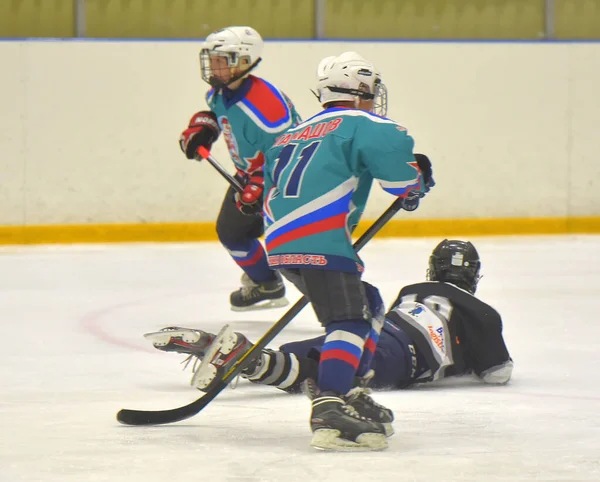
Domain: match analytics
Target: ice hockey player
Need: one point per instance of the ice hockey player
(433, 330)
(251, 113)
(317, 180)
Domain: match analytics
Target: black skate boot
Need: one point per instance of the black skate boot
(336, 425)
(360, 399)
(226, 348)
(255, 296)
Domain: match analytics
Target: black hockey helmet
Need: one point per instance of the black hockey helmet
(457, 262)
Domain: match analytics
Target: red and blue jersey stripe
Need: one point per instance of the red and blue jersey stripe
(325, 213)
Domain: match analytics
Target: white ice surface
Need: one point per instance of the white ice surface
(72, 354)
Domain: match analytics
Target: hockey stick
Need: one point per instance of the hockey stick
(143, 417)
(204, 154)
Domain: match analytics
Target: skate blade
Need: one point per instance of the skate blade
(263, 305)
(329, 439)
(207, 372)
(389, 429)
(163, 338)
(203, 377)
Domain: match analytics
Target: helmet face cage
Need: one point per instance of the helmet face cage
(206, 67)
(455, 262)
(380, 104)
(233, 60)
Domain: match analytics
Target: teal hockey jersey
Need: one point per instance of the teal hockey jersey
(251, 118)
(318, 176)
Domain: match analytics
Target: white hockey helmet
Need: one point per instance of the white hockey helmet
(347, 77)
(235, 44)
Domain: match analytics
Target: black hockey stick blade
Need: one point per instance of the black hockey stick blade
(145, 417)
(142, 417)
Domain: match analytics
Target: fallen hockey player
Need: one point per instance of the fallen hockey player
(434, 329)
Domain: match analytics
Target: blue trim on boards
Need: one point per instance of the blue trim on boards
(294, 40)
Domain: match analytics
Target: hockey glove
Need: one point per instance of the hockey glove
(425, 167)
(250, 202)
(203, 130)
(411, 201)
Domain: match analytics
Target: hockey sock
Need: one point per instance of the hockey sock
(341, 354)
(377, 308)
(251, 257)
(282, 370)
(369, 350)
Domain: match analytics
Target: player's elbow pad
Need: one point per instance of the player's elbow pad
(499, 374)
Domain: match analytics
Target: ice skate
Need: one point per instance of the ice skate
(181, 340)
(360, 399)
(259, 296)
(226, 348)
(338, 426)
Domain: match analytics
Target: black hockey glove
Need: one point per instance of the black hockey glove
(425, 166)
(411, 201)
